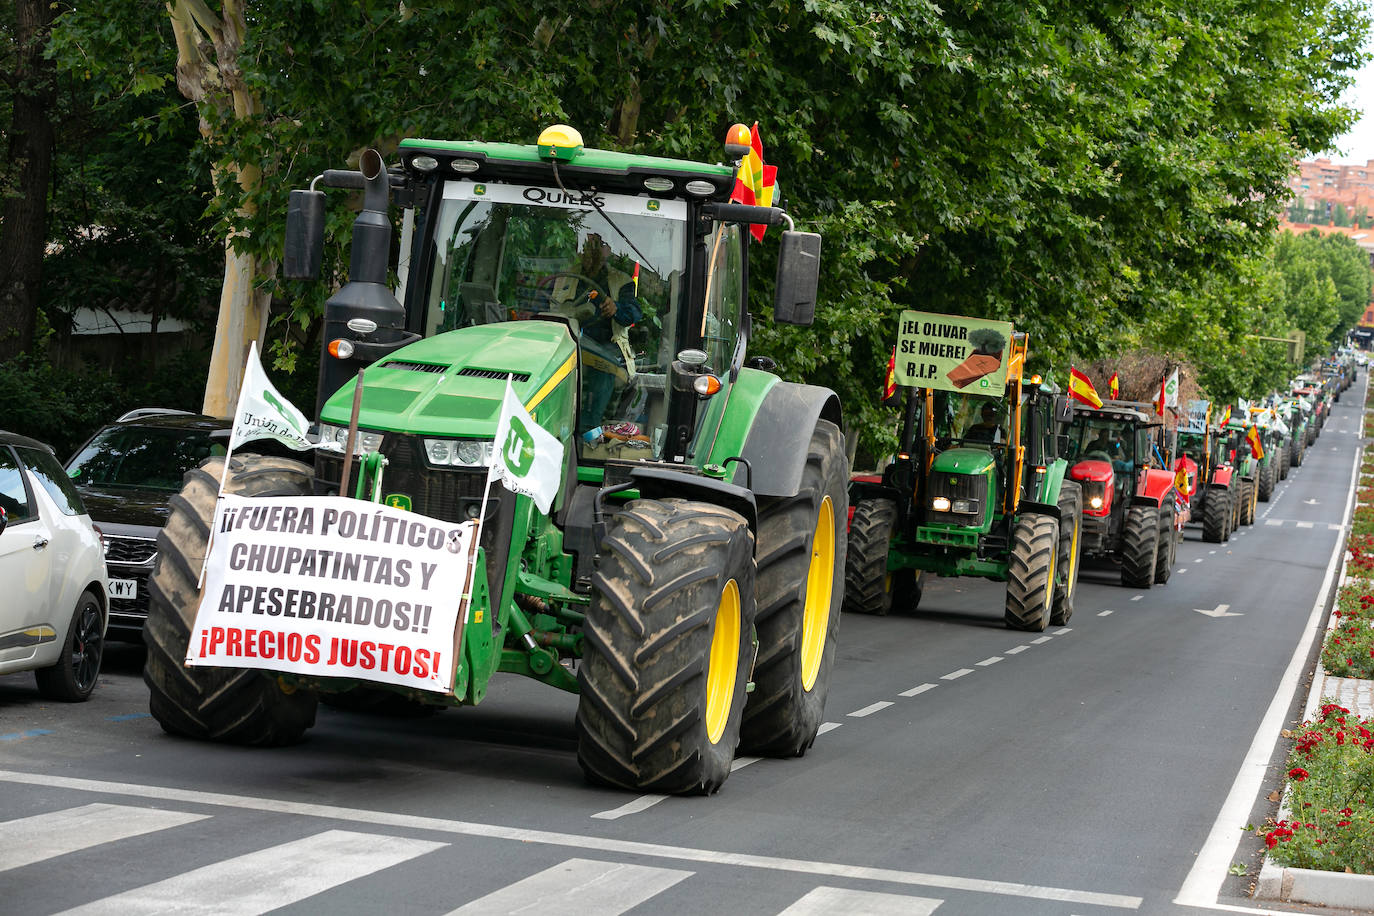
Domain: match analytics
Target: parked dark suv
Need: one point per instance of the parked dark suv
(126, 474)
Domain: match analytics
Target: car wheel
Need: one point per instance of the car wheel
(72, 678)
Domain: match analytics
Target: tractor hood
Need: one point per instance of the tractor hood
(963, 461)
(1092, 469)
(452, 384)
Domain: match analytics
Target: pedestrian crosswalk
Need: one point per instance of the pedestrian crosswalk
(283, 874)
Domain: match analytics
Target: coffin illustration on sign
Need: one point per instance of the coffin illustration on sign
(985, 359)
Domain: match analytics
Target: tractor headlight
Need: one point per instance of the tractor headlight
(335, 438)
(1095, 502)
(463, 453)
(940, 504)
(966, 506)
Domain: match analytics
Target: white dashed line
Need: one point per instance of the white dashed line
(871, 709)
(1211, 552)
(1274, 521)
(740, 763)
(1304, 524)
(955, 675)
(1041, 640)
(1062, 630)
(828, 727)
(1104, 613)
(1183, 569)
(1017, 650)
(1136, 597)
(989, 661)
(1199, 559)
(917, 691)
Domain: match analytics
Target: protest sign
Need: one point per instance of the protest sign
(951, 353)
(333, 587)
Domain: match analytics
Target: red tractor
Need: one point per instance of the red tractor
(1210, 483)
(1133, 512)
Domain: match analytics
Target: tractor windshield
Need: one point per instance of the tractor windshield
(968, 419)
(1103, 439)
(1194, 445)
(508, 252)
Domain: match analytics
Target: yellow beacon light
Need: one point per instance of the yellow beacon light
(560, 141)
(738, 141)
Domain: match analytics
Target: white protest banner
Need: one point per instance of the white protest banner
(263, 413)
(1171, 390)
(527, 458)
(333, 587)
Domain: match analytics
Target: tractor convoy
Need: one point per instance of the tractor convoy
(681, 561)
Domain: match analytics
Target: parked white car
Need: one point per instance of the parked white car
(54, 597)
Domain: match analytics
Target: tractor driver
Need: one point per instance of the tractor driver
(987, 428)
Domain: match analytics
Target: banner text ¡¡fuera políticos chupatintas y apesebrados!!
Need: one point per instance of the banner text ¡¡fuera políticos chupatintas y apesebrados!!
(333, 587)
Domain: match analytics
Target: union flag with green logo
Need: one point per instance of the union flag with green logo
(527, 458)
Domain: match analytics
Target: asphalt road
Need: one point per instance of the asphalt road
(1109, 766)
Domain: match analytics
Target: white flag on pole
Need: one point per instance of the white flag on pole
(1171, 390)
(263, 413)
(527, 458)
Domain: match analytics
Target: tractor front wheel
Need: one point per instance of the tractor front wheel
(234, 705)
(1140, 546)
(1216, 515)
(801, 574)
(1070, 546)
(1030, 573)
(667, 648)
(1167, 548)
(869, 586)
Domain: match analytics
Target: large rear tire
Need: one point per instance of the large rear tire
(1216, 515)
(1268, 477)
(801, 555)
(668, 648)
(1285, 459)
(1070, 551)
(1139, 546)
(1249, 498)
(233, 705)
(1030, 573)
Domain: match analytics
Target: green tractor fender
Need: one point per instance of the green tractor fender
(768, 423)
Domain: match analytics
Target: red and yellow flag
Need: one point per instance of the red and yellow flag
(755, 183)
(890, 383)
(1081, 389)
(1225, 417)
(1252, 436)
(1114, 384)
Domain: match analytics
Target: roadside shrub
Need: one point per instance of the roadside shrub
(1349, 648)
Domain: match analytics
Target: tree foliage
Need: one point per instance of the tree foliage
(1100, 174)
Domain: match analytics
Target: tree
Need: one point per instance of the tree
(30, 82)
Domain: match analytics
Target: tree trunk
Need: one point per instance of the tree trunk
(24, 214)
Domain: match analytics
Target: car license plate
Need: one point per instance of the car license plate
(123, 588)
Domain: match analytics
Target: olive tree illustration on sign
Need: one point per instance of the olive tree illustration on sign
(985, 359)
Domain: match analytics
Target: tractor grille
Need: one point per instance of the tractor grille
(958, 489)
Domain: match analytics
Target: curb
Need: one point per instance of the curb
(1305, 885)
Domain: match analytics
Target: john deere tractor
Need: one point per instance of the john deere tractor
(1132, 512)
(686, 580)
(978, 486)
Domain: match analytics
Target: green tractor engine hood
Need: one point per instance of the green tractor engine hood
(964, 461)
(452, 384)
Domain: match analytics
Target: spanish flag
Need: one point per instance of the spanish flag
(755, 182)
(1252, 435)
(890, 383)
(1081, 389)
(1115, 385)
(1226, 417)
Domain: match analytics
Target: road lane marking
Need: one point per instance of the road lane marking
(1041, 640)
(577, 887)
(27, 840)
(580, 842)
(633, 806)
(827, 727)
(825, 901)
(1182, 569)
(955, 675)
(1304, 524)
(1062, 630)
(1210, 552)
(740, 763)
(917, 691)
(990, 661)
(870, 709)
(266, 880)
(1104, 613)
(1272, 521)
(1199, 559)
(1136, 597)
(1016, 650)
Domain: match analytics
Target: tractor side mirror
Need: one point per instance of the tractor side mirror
(304, 249)
(1063, 409)
(799, 274)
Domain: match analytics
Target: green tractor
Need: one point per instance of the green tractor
(685, 581)
(978, 486)
(1209, 480)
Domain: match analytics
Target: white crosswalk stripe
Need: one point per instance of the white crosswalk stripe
(45, 836)
(577, 887)
(824, 901)
(268, 879)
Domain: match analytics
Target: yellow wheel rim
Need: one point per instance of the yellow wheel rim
(819, 582)
(1049, 584)
(1073, 558)
(723, 665)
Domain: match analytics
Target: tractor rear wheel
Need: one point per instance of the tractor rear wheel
(868, 583)
(668, 644)
(1070, 547)
(1298, 449)
(234, 705)
(1249, 492)
(1030, 573)
(1167, 548)
(1139, 546)
(1216, 515)
(1267, 479)
(801, 574)
(1285, 459)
